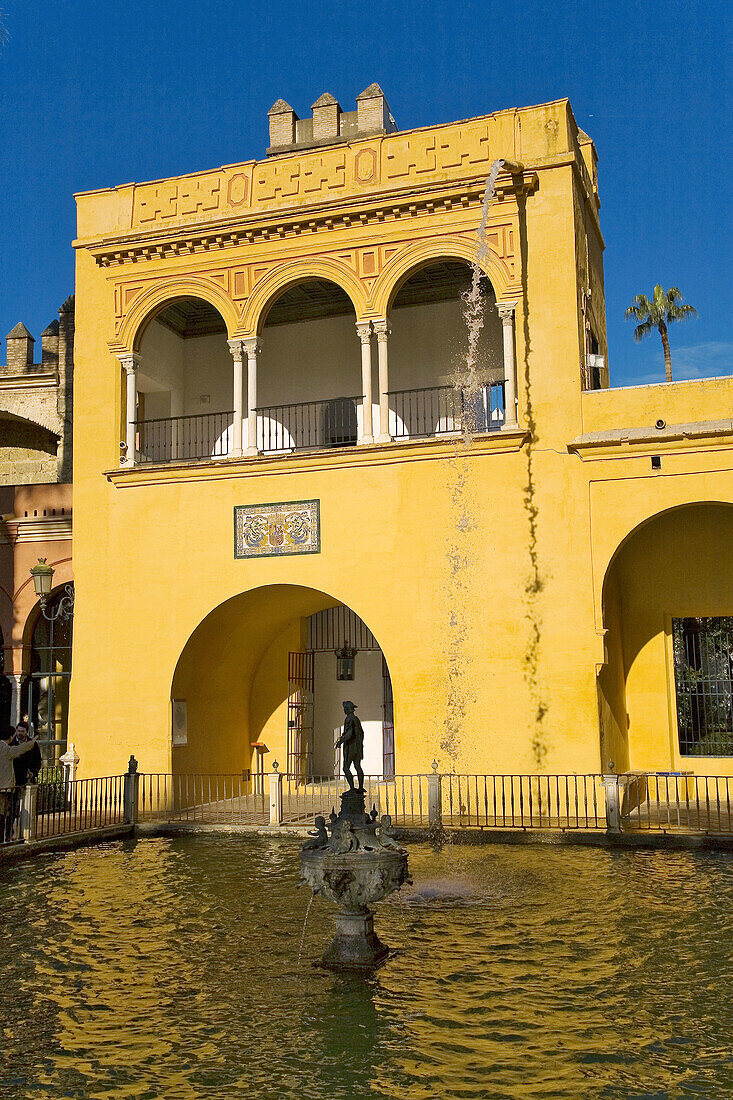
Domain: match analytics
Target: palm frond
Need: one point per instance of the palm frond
(643, 330)
(681, 313)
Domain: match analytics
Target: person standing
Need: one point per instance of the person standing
(26, 767)
(9, 753)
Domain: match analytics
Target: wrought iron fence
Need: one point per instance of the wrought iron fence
(404, 798)
(181, 438)
(218, 799)
(81, 805)
(643, 802)
(308, 425)
(523, 801)
(429, 411)
(676, 802)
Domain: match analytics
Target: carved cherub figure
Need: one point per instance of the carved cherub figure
(346, 841)
(320, 835)
(385, 824)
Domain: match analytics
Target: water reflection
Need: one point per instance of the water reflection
(169, 968)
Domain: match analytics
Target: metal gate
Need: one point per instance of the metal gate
(300, 716)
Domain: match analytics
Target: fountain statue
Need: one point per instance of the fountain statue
(353, 862)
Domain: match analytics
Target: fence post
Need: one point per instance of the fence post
(28, 815)
(435, 799)
(132, 780)
(276, 795)
(613, 803)
(69, 761)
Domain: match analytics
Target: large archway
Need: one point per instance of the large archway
(261, 679)
(666, 689)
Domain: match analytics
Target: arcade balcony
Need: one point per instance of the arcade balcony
(194, 394)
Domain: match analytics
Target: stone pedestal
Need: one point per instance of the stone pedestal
(356, 945)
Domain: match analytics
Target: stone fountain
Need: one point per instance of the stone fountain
(354, 862)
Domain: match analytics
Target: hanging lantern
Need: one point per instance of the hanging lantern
(42, 578)
(345, 662)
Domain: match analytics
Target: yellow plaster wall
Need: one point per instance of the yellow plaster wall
(673, 402)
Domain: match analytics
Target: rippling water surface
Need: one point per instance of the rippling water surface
(168, 968)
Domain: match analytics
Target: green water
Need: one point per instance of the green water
(168, 968)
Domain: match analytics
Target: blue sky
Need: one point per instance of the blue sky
(96, 94)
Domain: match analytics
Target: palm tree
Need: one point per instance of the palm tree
(662, 310)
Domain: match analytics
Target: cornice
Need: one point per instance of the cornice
(257, 226)
(14, 529)
(387, 454)
(34, 381)
(632, 442)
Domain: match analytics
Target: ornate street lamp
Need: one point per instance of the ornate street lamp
(43, 582)
(345, 662)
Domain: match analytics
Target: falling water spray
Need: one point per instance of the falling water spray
(469, 381)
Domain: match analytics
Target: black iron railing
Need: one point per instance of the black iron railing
(433, 410)
(307, 425)
(181, 438)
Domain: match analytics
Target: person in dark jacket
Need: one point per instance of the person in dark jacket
(27, 766)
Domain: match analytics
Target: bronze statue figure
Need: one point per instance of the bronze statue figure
(353, 741)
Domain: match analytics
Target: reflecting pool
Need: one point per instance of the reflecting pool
(168, 968)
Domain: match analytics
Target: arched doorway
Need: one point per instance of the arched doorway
(184, 386)
(263, 678)
(44, 692)
(666, 689)
(428, 344)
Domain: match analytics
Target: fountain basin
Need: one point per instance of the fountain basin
(354, 880)
(356, 866)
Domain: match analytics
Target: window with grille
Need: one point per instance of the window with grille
(703, 673)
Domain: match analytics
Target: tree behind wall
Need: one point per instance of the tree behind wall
(657, 313)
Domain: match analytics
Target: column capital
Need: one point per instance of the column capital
(130, 361)
(506, 311)
(364, 329)
(382, 327)
(252, 346)
(235, 347)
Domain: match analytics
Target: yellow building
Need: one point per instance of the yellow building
(285, 472)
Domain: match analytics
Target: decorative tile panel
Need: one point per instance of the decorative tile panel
(269, 530)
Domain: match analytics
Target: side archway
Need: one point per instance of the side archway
(668, 577)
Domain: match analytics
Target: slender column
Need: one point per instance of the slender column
(130, 364)
(235, 347)
(506, 312)
(364, 328)
(252, 347)
(16, 703)
(382, 329)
